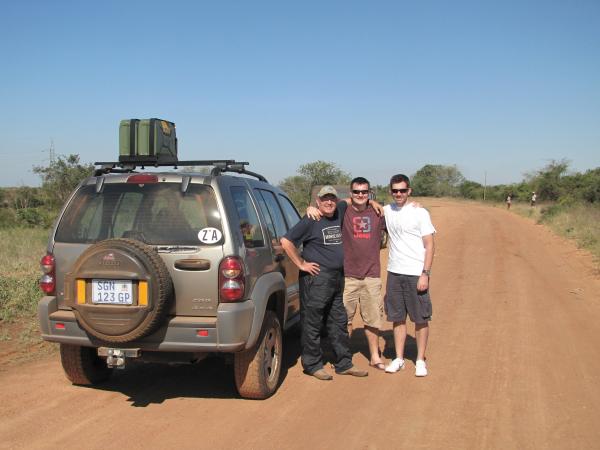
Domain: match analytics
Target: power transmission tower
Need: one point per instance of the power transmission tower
(51, 151)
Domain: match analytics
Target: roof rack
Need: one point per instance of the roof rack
(220, 166)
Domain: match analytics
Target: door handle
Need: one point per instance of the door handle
(192, 264)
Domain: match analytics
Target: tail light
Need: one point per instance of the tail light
(48, 280)
(231, 279)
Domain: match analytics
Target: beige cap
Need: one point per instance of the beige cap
(326, 190)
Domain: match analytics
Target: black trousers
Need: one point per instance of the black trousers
(321, 302)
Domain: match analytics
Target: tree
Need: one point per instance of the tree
(435, 180)
(321, 172)
(471, 189)
(61, 177)
(25, 197)
(547, 182)
(382, 193)
(590, 189)
(298, 187)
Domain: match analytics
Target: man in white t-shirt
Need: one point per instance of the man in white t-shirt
(411, 247)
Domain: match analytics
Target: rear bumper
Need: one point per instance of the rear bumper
(227, 332)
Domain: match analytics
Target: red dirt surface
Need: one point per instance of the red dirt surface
(514, 362)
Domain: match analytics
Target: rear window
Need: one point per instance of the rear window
(155, 213)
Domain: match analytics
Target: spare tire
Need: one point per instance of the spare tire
(120, 260)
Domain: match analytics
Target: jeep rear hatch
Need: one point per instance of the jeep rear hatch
(184, 227)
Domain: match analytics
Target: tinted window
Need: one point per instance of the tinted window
(274, 211)
(291, 215)
(155, 213)
(248, 217)
(265, 212)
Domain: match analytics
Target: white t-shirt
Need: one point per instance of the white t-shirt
(406, 227)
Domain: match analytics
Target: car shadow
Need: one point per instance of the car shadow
(146, 383)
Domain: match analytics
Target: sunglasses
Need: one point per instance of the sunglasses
(401, 191)
(358, 191)
(329, 198)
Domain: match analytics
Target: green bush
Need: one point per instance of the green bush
(550, 211)
(36, 217)
(61, 177)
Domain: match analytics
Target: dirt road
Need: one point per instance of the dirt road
(514, 362)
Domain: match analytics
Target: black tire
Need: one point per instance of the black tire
(82, 365)
(122, 324)
(258, 369)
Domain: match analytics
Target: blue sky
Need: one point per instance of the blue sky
(380, 87)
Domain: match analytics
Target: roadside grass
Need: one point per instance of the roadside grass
(20, 253)
(576, 221)
(579, 222)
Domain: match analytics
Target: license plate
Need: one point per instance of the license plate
(112, 292)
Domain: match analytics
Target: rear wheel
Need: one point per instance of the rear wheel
(257, 370)
(82, 365)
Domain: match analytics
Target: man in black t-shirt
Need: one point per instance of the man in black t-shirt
(322, 285)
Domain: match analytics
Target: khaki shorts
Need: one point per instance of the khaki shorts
(367, 293)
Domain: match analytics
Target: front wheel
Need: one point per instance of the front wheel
(257, 370)
(82, 365)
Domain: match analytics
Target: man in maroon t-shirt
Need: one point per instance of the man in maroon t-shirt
(361, 237)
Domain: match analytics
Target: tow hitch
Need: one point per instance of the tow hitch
(115, 357)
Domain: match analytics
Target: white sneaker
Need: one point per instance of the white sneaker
(396, 365)
(420, 368)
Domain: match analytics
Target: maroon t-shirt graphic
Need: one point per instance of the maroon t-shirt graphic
(361, 236)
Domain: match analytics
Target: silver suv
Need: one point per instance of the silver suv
(171, 266)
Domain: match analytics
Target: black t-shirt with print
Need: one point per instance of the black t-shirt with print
(322, 239)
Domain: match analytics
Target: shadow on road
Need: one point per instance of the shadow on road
(359, 344)
(153, 383)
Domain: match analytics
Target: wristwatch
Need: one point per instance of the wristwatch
(427, 272)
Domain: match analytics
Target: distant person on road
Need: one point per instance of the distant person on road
(533, 199)
(411, 247)
(322, 285)
(508, 201)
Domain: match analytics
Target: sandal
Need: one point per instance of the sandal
(378, 366)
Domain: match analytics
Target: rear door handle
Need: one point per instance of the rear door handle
(192, 264)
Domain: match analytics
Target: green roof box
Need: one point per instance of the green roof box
(153, 141)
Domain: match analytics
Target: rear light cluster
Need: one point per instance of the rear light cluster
(231, 279)
(48, 280)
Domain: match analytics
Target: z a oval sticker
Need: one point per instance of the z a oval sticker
(209, 235)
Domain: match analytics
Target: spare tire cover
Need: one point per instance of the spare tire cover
(121, 259)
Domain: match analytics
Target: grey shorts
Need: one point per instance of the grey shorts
(401, 297)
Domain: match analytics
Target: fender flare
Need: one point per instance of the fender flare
(265, 286)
